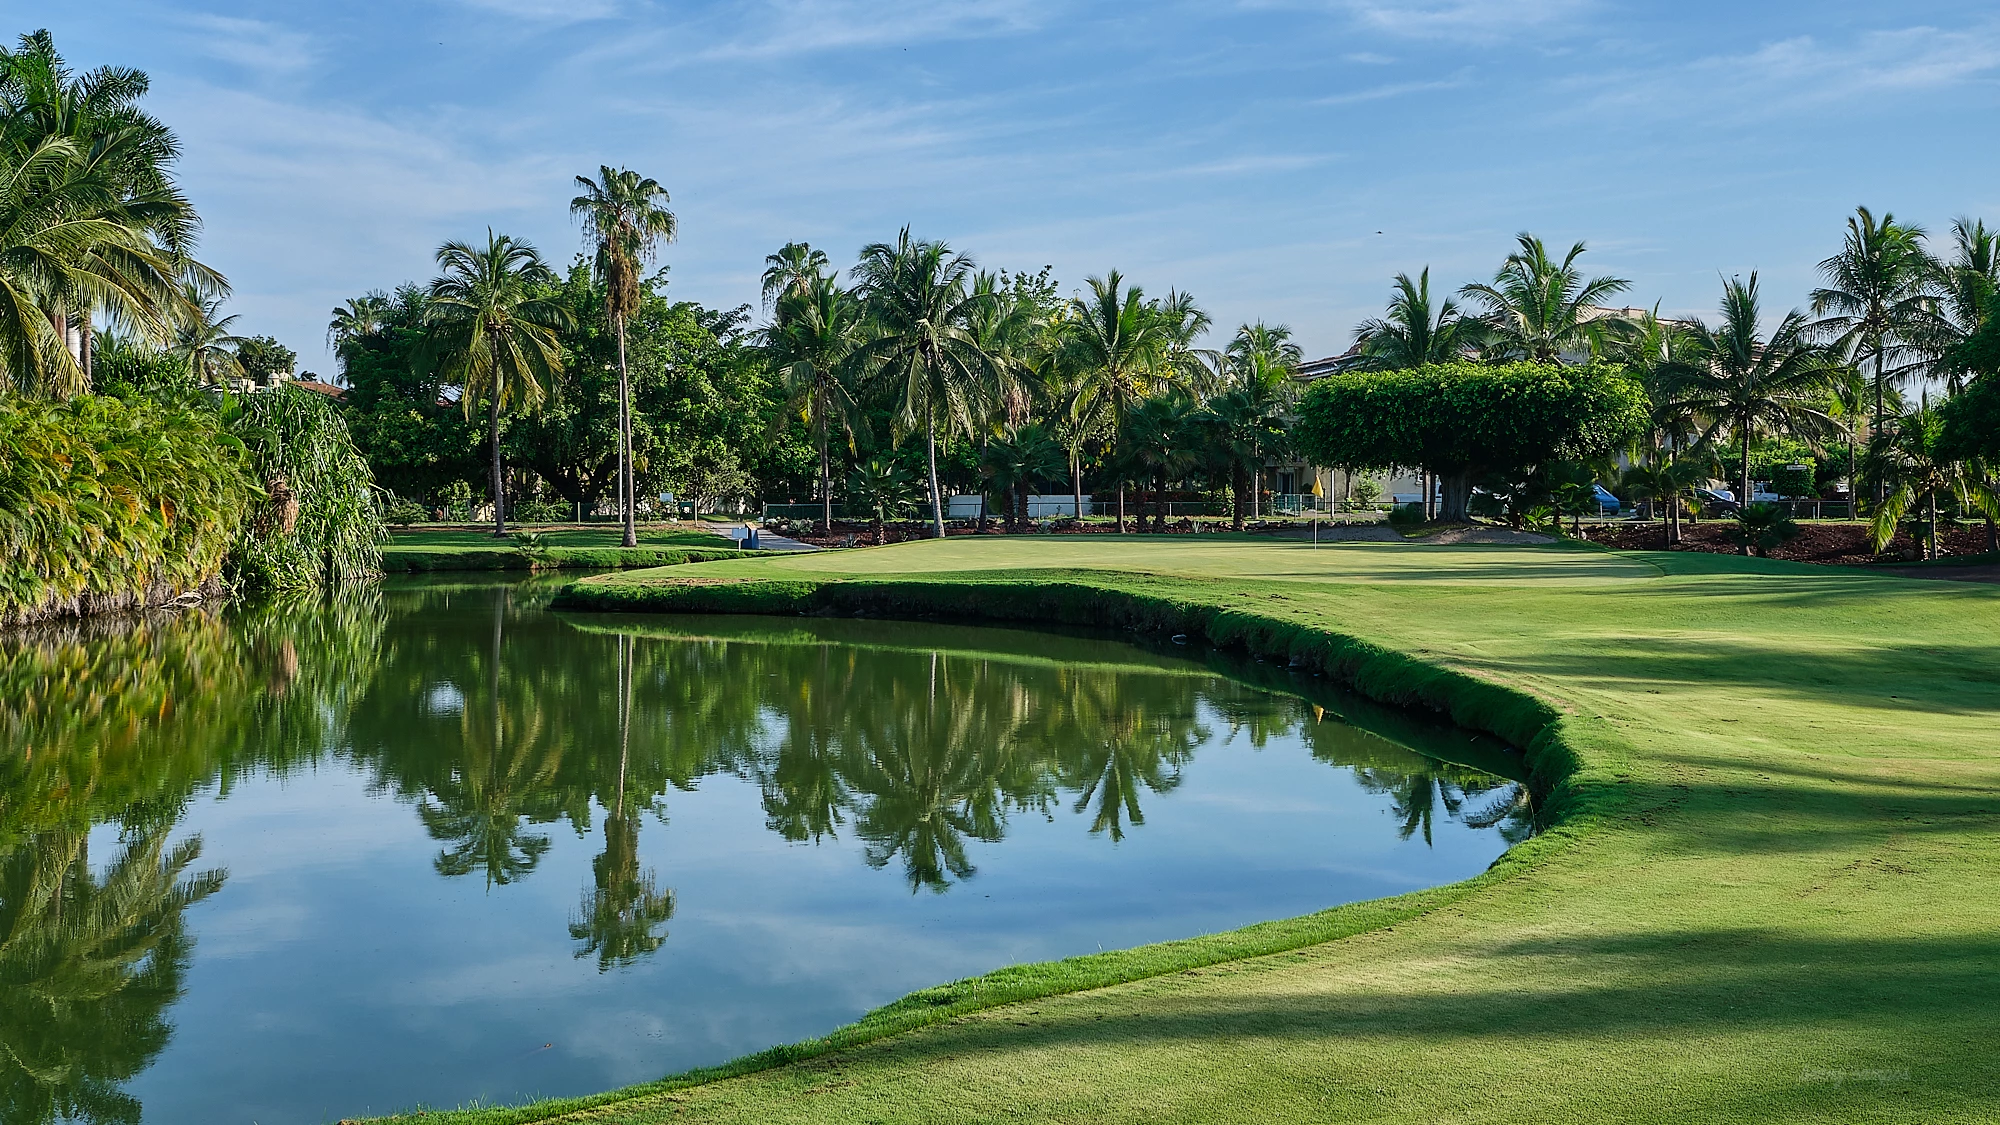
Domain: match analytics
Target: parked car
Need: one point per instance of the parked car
(1716, 501)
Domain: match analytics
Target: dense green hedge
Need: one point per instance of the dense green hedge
(106, 503)
(109, 503)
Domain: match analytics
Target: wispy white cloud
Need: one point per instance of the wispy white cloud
(1802, 74)
(1463, 19)
(554, 11)
(259, 46)
(1368, 58)
(779, 28)
(1396, 90)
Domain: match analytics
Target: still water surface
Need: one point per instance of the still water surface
(433, 843)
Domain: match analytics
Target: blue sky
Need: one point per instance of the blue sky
(1280, 160)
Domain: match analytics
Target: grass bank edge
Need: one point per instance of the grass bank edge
(1574, 762)
(417, 560)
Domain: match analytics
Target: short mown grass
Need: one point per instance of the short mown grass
(1767, 895)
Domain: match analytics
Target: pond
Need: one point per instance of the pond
(430, 842)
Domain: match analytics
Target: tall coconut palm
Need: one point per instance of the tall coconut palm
(1967, 283)
(131, 153)
(1916, 469)
(1118, 344)
(1879, 303)
(626, 218)
(493, 325)
(1414, 331)
(1541, 309)
(1746, 386)
(812, 346)
(70, 240)
(358, 318)
(793, 269)
(923, 348)
(206, 343)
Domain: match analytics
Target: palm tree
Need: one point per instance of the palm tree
(1538, 309)
(491, 322)
(1014, 461)
(70, 240)
(812, 345)
(132, 154)
(1914, 470)
(1413, 332)
(1747, 385)
(357, 319)
(1247, 427)
(204, 341)
(1157, 437)
(881, 486)
(1967, 284)
(923, 347)
(793, 270)
(1879, 300)
(1118, 345)
(626, 218)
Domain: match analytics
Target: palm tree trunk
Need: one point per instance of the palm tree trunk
(625, 440)
(937, 497)
(1239, 486)
(1743, 497)
(825, 485)
(1121, 507)
(499, 487)
(1930, 516)
(1876, 427)
(85, 347)
(1076, 483)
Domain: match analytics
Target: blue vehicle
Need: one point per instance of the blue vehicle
(1606, 503)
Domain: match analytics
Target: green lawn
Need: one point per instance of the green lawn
(1775, 899)
(459, 548)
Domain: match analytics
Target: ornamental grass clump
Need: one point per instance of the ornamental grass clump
(319, 521)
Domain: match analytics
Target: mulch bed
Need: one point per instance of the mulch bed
(1830, 544)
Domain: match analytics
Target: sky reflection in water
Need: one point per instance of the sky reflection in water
(433, 843)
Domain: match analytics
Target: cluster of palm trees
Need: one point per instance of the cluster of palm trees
(94, 230)
(1038, 385)
(1890, 315)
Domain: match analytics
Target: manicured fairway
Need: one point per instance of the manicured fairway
(1793, 914)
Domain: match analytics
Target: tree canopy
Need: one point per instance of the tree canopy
(1461, 420)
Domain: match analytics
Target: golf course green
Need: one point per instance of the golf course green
(1768, 894)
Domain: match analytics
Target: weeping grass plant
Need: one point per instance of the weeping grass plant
(320, 521)
(106, 503)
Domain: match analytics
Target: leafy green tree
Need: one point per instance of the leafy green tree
(627, 218)
(1749, 386)
(923, 348)
(1539, 309)
(813, 344)
(1879, 302)
(1967, 282)
(1464, 420)
(1415, 331)
(490, 324)
(264, 360)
